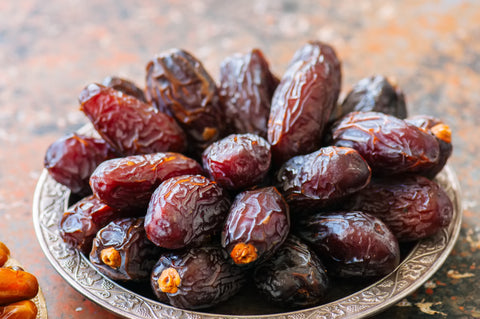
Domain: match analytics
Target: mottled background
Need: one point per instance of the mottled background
(49, 50)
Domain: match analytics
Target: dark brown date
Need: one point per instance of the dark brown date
(186, 211)
(323, 177)
(125, 86)
(129, 182)
(389, 145)
(81, 222)
(375, 94)
(178, 84)
(413, 207)
(25, 309)
(129, 125)
(196, 278)
(351, 243)
(294, 276)
(303, 101)
(442, 132)
(122, 251)
(246, 90)
(71, 160)
(238, 161)
(257, 224)
(16, 285)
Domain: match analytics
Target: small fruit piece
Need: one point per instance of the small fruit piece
(25, 309)
(16, 285)
(4, 254)
(169, 280)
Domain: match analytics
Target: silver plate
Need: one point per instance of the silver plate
(423, 260)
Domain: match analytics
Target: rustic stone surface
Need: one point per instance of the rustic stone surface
(50, 50)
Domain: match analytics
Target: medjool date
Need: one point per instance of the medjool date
(178, 84)
(294, 276)
(303, 101)
(323, 177)
(130, 181)
(129, 125)
(196, 278)
(374, 94)
(442, 132)
(16, 285)
(72, 159)
(186, 211)
(388, 144)
(25, 309)
(122, 251)
(246, 90)
(124, 85)
(238, 161)
(257, 224)
(351, 243)
(413, 207)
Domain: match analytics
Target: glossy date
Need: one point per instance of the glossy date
(129, 125)
(16, 285)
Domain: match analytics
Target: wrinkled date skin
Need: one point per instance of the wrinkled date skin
(303, 101)
(128, 124)
(322, 178)
(25, 309)
(122, 251)
(72, 159)
(186, 210)
(246, 90)
(257, 224)
(238, 161)
(16, 285)
(351, 243)
(126, 86)
(179, 85)
(81, 222)
(129, 182)
(442, 132)
(294, 276)
(413, 207)
(389, 145)
(375, 94)
(196, 278)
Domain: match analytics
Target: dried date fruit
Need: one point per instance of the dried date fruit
(389, 145)
(122, 251)
(25, 309)
(81, 221)
(16, 285)
(303, 101)
(4, 254)
(126, 86)
(238, 161)
(129, 182)
(257, 224)
(186, 210)
(351, 244)
(72, 159)
(294, 276)
(196, 278)
(246, 89)
(375, 94)
(413, 207)
(323, 177)
(178, 84)
(442, 132)
(128, 124)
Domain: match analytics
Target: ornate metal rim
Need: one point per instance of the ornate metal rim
(426, 257)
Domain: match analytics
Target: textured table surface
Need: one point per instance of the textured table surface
(49, 50)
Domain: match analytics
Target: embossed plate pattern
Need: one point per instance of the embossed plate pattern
(51, 198)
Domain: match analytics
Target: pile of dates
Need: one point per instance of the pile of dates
(17, 288)
(198, 188)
